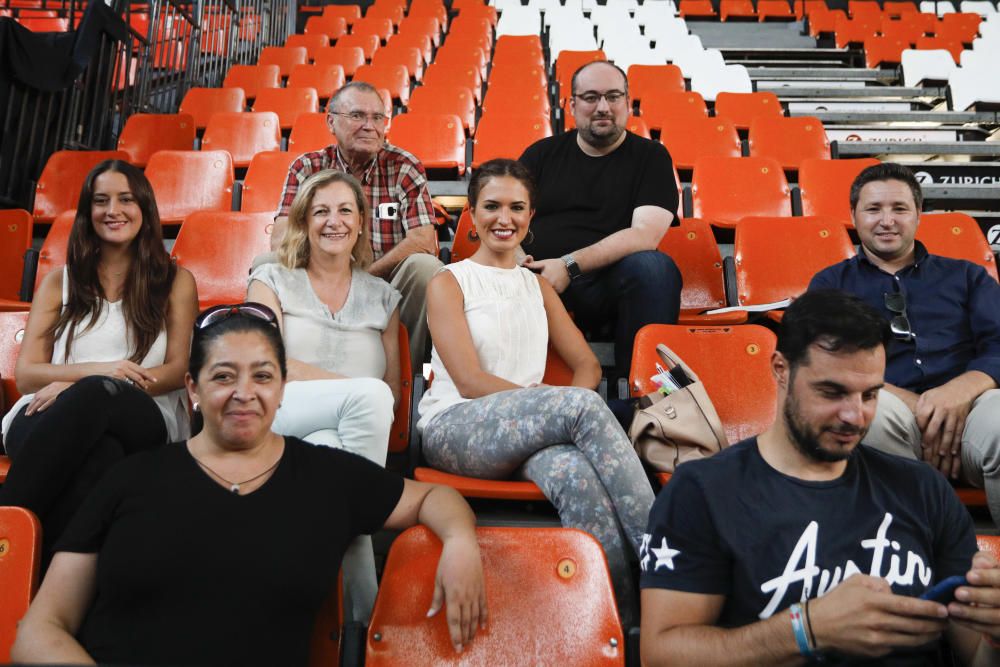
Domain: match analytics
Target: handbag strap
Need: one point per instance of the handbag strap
(670, 358)
(700, 396)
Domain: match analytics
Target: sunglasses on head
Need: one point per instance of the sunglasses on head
(216, 314)
(895, 302)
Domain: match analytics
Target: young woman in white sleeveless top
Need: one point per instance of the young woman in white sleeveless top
(486, 414)
(340, 326)
(104, 352)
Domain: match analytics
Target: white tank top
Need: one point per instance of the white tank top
(108, 340)
(506, 317)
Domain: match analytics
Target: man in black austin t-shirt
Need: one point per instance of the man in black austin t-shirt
(605, 199)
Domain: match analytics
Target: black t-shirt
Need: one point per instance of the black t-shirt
(732, 525)
(582, 199)
(189, 573)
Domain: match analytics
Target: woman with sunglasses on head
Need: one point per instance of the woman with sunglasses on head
(102, 362)
(219, 551)
(486, 413)
(341, 329)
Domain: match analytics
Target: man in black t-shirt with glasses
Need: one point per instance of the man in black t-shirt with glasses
(605, 199)
(801, 545)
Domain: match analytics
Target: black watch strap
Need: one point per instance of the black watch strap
(572, 268)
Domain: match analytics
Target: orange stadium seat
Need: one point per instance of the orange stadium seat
(418, 41)
(697, 9)
(775, 258)
(189, 181)
(438, 140)
(825, 186)
(399, 436)
(989, 544)
(218, 247)
(853, 31)
(201, 103)
(514, 98)
(349, 58)
(287, 103)
(409, 57)
(394, 78)
(52, 256)
(473, 27)
(20, 567)
(881, 51)
(734, 364)
(312, 42)
(380, 27)
(824, 21)
(15, 239)
(325, 643)
(866, 9)
(507, 136)
(464, 244)
(661, 107)
(740, 9)
(742, 108)
(956, 235)
(393, 12)
(285, 57)
(459, 52)
(688, 139)
(242, 134)
(457, 100)
(637, 125)
(519, 50)
(11, 332)
(693, 248)
(44, 24)
(507, 75)
(961, 26)
(538, 581)
(467, 76)
(950, 44)
(334, 27)
(58, 187)
(311, 132)
(475, 9)
(569, 61)
(428, 26)
(367, 42)
(908, 31)
(265, 181)
(252, 78)
(646, 78)
(146, 133)
(349, 13)
(725, 189)
(768, 10)
(896, 10)
(324, 79)
(788, 140)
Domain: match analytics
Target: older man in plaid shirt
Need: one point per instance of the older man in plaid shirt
(403, 235)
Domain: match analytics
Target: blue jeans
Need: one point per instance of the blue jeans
(639, 289)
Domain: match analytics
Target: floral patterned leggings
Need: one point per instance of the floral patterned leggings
(565, 440)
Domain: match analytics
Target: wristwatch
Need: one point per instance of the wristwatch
(572, 268)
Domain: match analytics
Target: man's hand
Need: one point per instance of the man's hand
(553, 270)
(862, 616)
(977, 605)
(941, 414)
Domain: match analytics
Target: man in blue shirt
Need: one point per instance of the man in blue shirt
(941, 403)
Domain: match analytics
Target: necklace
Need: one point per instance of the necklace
(235, 486)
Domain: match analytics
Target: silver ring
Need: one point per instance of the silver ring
(130, 381)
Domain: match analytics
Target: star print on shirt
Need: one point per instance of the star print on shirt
(664, 555)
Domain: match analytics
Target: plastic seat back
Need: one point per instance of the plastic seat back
(776, 258)
(736, 9)
(467, 76)
(457, 100)
(62, 178)
(788, 140)
(549, 592)
(725, 189)
(15, 239)
(350, 13)
(242, 134)
(645, 78)
(423, 43)
(146, 133)
(464, 244)
(774, 9)
(218, 247)
(825, 186)
(311, 132)
(350, 58)
(333, 27)
(693, 248)
(688, 139)
(438, 140)
(394, 78)
(516, 99)
(52, 256)
(312, 42)
(507, 136)
(956, 235)
(201, 103)
(399, 436)
(11, 332)
(252, 78)
(265, 181)
(742, 108)
(324, 644)
(325, 79)
(20, 554)
(367, 42)
(189, 181)
(287, 103)
(285, 57)
(990, 544)
(659, 108)
(409, 57)
(734, 363)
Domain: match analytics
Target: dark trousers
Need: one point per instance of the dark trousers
(59, 455)
(639, 289)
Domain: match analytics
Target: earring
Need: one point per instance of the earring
(529, 238)
(473, 235)
(195, 406)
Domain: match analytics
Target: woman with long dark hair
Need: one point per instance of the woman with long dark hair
(102, 362)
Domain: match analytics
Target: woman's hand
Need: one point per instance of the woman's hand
(126, 370)
(459, 585)
(44, 397)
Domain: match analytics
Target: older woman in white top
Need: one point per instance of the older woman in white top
(340, 326)
(487, 416)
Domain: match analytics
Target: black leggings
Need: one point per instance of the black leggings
(59, 455)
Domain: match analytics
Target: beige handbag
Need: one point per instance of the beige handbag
(681, 426)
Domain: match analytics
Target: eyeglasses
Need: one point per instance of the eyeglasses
(612, 96)
(361, 116)
(900, 323)
(216, 314)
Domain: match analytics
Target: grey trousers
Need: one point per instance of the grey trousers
(410, 277)
(894, 430)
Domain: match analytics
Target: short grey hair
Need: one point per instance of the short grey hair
(362, 86)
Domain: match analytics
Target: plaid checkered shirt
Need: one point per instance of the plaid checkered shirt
(395, 183)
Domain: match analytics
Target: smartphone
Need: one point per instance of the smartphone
(944, 591)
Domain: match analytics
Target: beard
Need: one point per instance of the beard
(601, 138)
(806, 438)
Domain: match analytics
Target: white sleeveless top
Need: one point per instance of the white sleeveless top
(107, 340)
(506, 317)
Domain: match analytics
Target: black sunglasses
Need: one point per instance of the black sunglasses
(216, 314)
(900, 323)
